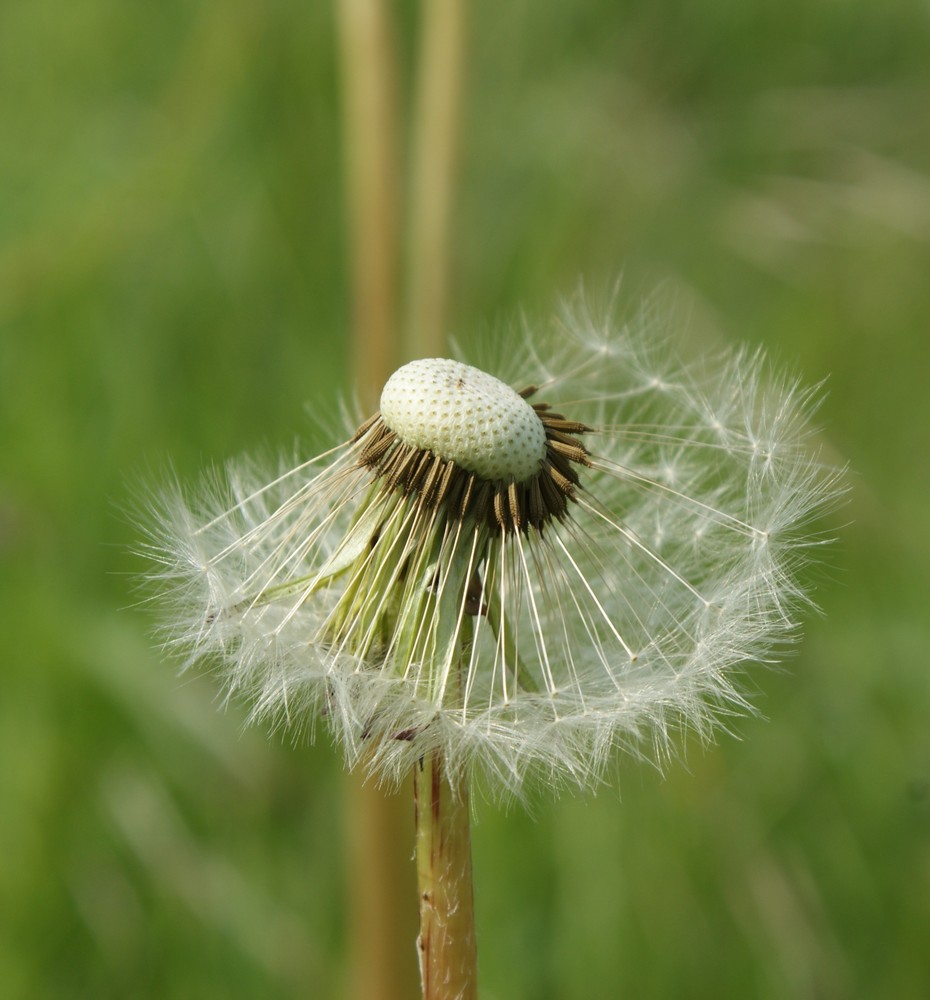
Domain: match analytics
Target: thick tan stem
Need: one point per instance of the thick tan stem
(381, 878)
(381, 887)
(435, 149)
(447, 944)
(370, 145)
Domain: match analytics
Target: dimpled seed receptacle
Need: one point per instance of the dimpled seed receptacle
(465, 416)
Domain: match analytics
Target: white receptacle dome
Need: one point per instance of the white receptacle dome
(465, 416)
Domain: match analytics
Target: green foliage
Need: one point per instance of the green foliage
(173, 288)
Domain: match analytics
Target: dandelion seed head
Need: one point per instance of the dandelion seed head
(466, 416)
(524, 576)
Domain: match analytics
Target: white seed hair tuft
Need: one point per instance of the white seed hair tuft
(359, 594)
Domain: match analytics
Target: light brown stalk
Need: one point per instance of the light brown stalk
(447, 944)
(382, 922)
(370, 145)
(435, 153)
(381, 877)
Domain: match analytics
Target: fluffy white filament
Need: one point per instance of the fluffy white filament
(324, 598)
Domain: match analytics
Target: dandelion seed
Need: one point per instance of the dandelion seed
(521, 571)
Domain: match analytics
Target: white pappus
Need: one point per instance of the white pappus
(522, 568)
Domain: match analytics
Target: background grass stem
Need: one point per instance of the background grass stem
(434, 156)
(380, 874)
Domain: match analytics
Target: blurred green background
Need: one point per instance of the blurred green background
(173, 287)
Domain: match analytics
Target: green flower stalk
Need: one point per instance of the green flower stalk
(509, 575)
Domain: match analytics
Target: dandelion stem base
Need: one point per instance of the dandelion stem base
(446, 943)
